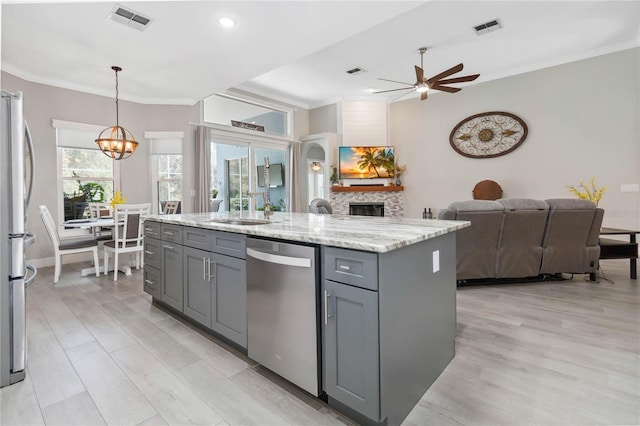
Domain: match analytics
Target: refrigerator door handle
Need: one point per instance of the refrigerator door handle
(17, 257)
(34, 271)
(18, 318)
(32, 164)
(17, 174)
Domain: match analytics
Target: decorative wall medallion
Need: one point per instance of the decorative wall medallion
(487, 135)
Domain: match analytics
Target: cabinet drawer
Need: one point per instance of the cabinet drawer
(151, 229)
(197, 238)
(152, 281)
(357, 268)
(171, 233)
(229, 244)
(152, 253)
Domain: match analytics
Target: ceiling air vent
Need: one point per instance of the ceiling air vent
(130, 18)
(487, 27)
(356, 70)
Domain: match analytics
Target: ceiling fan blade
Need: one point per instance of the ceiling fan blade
(393, 81)
(446, 73)
(393, 90)
(446, 89)
(459, 79)
(419, 74)
(404, 94)
(423, 96)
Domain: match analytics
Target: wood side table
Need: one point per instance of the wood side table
(616, 249)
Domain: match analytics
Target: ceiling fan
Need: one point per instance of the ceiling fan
(437, 82)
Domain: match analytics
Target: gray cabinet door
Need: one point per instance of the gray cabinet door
(351, 360)
(229, 297)
(172, 274)
(197, 285)
(152, 283)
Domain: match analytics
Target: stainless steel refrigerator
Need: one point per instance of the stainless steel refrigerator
(16, 172)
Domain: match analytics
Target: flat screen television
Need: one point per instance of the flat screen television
(365, 162)
(276, 175)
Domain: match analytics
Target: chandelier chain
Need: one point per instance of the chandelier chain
(117, 112)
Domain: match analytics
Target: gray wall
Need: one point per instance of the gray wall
(44, 103)
(583, 120)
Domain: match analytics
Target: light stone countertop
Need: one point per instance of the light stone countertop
(375, 234)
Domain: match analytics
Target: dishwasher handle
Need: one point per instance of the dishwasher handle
(301, 262)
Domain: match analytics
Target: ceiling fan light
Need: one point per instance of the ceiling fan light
(227, 22)
(422, 88)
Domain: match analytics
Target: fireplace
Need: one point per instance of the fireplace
(366, 209)
(389, 199)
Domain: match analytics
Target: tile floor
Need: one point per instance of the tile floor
(532, 354)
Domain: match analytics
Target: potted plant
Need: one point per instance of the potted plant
(334, 175)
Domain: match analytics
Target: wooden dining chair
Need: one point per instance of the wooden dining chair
(66, 247)
(171, 207)
(128, 234)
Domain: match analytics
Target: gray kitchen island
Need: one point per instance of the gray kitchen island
(358, 311)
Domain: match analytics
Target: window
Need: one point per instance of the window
(168, 180)
(87, 177)
(234, 175)
(84, 173)
(166, 168)
(222, 109)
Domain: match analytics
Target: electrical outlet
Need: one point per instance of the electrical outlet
(436, 261)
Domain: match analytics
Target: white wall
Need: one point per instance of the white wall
(583, 120)
(43, 103)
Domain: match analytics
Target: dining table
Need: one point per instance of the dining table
(103, 222)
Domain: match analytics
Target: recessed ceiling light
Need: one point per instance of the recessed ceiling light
(227, 22)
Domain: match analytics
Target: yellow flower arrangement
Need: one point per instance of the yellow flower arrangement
(117, 199)
(589, 191)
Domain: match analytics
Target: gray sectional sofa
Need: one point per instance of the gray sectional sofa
(524, 238)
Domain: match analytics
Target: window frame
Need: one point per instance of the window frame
(94, 130)
(159, 137)
(244, 99)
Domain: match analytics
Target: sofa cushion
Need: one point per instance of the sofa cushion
(568, 231)
(520, 245)
(523, 204)
(570, 203)
(476, 206)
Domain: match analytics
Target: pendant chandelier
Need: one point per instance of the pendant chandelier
(116, 142)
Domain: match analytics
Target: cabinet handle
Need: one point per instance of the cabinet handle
(167, 246)
(327, 315)
(149, 230)
(150, 253)
(344, 267)
(204, 269)
(149, 282)
(169, 233)
(209, 269)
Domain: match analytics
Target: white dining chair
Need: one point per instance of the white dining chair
(128, 234)
(68, 246)
(171, 207)
(97, 211)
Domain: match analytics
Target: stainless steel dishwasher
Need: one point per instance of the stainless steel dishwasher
(282, 310)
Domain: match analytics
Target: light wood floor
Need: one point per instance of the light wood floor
(561, 353)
